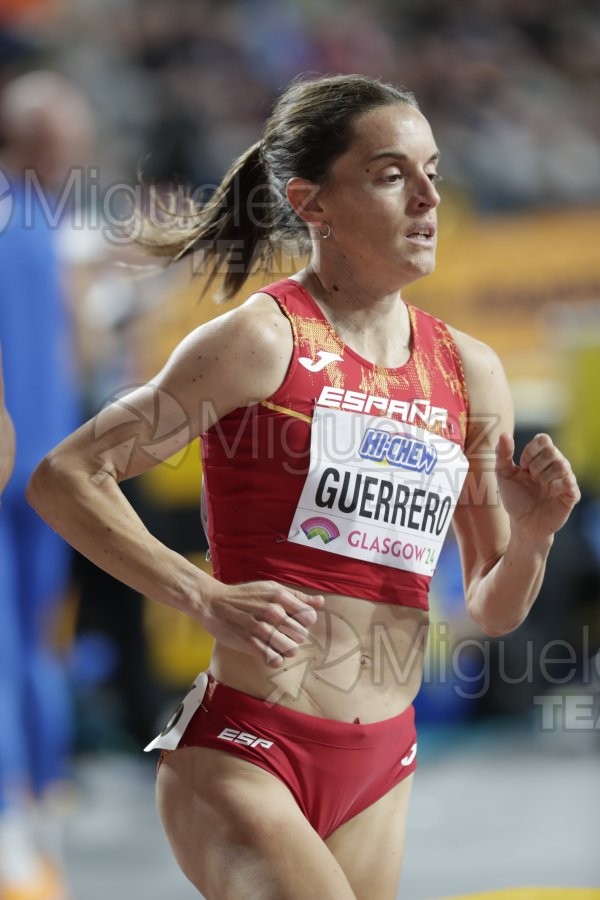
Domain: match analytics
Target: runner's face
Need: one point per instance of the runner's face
(380, 197)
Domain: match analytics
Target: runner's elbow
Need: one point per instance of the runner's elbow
(46, 481)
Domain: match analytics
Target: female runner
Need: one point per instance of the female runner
(337, 424)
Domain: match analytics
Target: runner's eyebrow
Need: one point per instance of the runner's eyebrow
(396, 154)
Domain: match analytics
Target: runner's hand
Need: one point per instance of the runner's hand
(261, 618)
(540, 492)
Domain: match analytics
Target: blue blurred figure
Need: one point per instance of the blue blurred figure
(45, 127)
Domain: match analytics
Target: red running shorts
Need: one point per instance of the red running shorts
(333, 769)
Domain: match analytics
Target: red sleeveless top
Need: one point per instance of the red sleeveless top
(346, 478)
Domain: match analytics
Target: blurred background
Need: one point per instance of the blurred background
(92, 92)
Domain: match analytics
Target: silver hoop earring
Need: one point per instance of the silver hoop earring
(327, 233)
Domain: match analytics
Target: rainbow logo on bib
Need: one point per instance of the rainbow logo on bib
(318, 526)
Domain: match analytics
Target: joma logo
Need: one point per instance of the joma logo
(243, 737)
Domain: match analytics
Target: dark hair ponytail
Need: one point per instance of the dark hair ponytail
(227, 229)
(310, 127)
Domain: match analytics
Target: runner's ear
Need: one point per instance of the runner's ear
(303, 196)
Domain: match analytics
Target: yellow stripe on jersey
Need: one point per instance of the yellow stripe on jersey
(286, 412)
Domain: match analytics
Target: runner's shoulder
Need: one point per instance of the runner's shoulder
(252, 332)
(481, 364)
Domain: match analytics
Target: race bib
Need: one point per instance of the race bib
(173, 731)
(378, 490)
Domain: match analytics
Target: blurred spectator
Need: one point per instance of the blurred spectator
(45, 128)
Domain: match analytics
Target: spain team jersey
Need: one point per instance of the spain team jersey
(346, 478)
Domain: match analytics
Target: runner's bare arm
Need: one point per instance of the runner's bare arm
(508, 513)
(7, 438)
(237, 359)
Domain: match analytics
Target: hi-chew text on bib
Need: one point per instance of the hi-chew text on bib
(378, 490)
